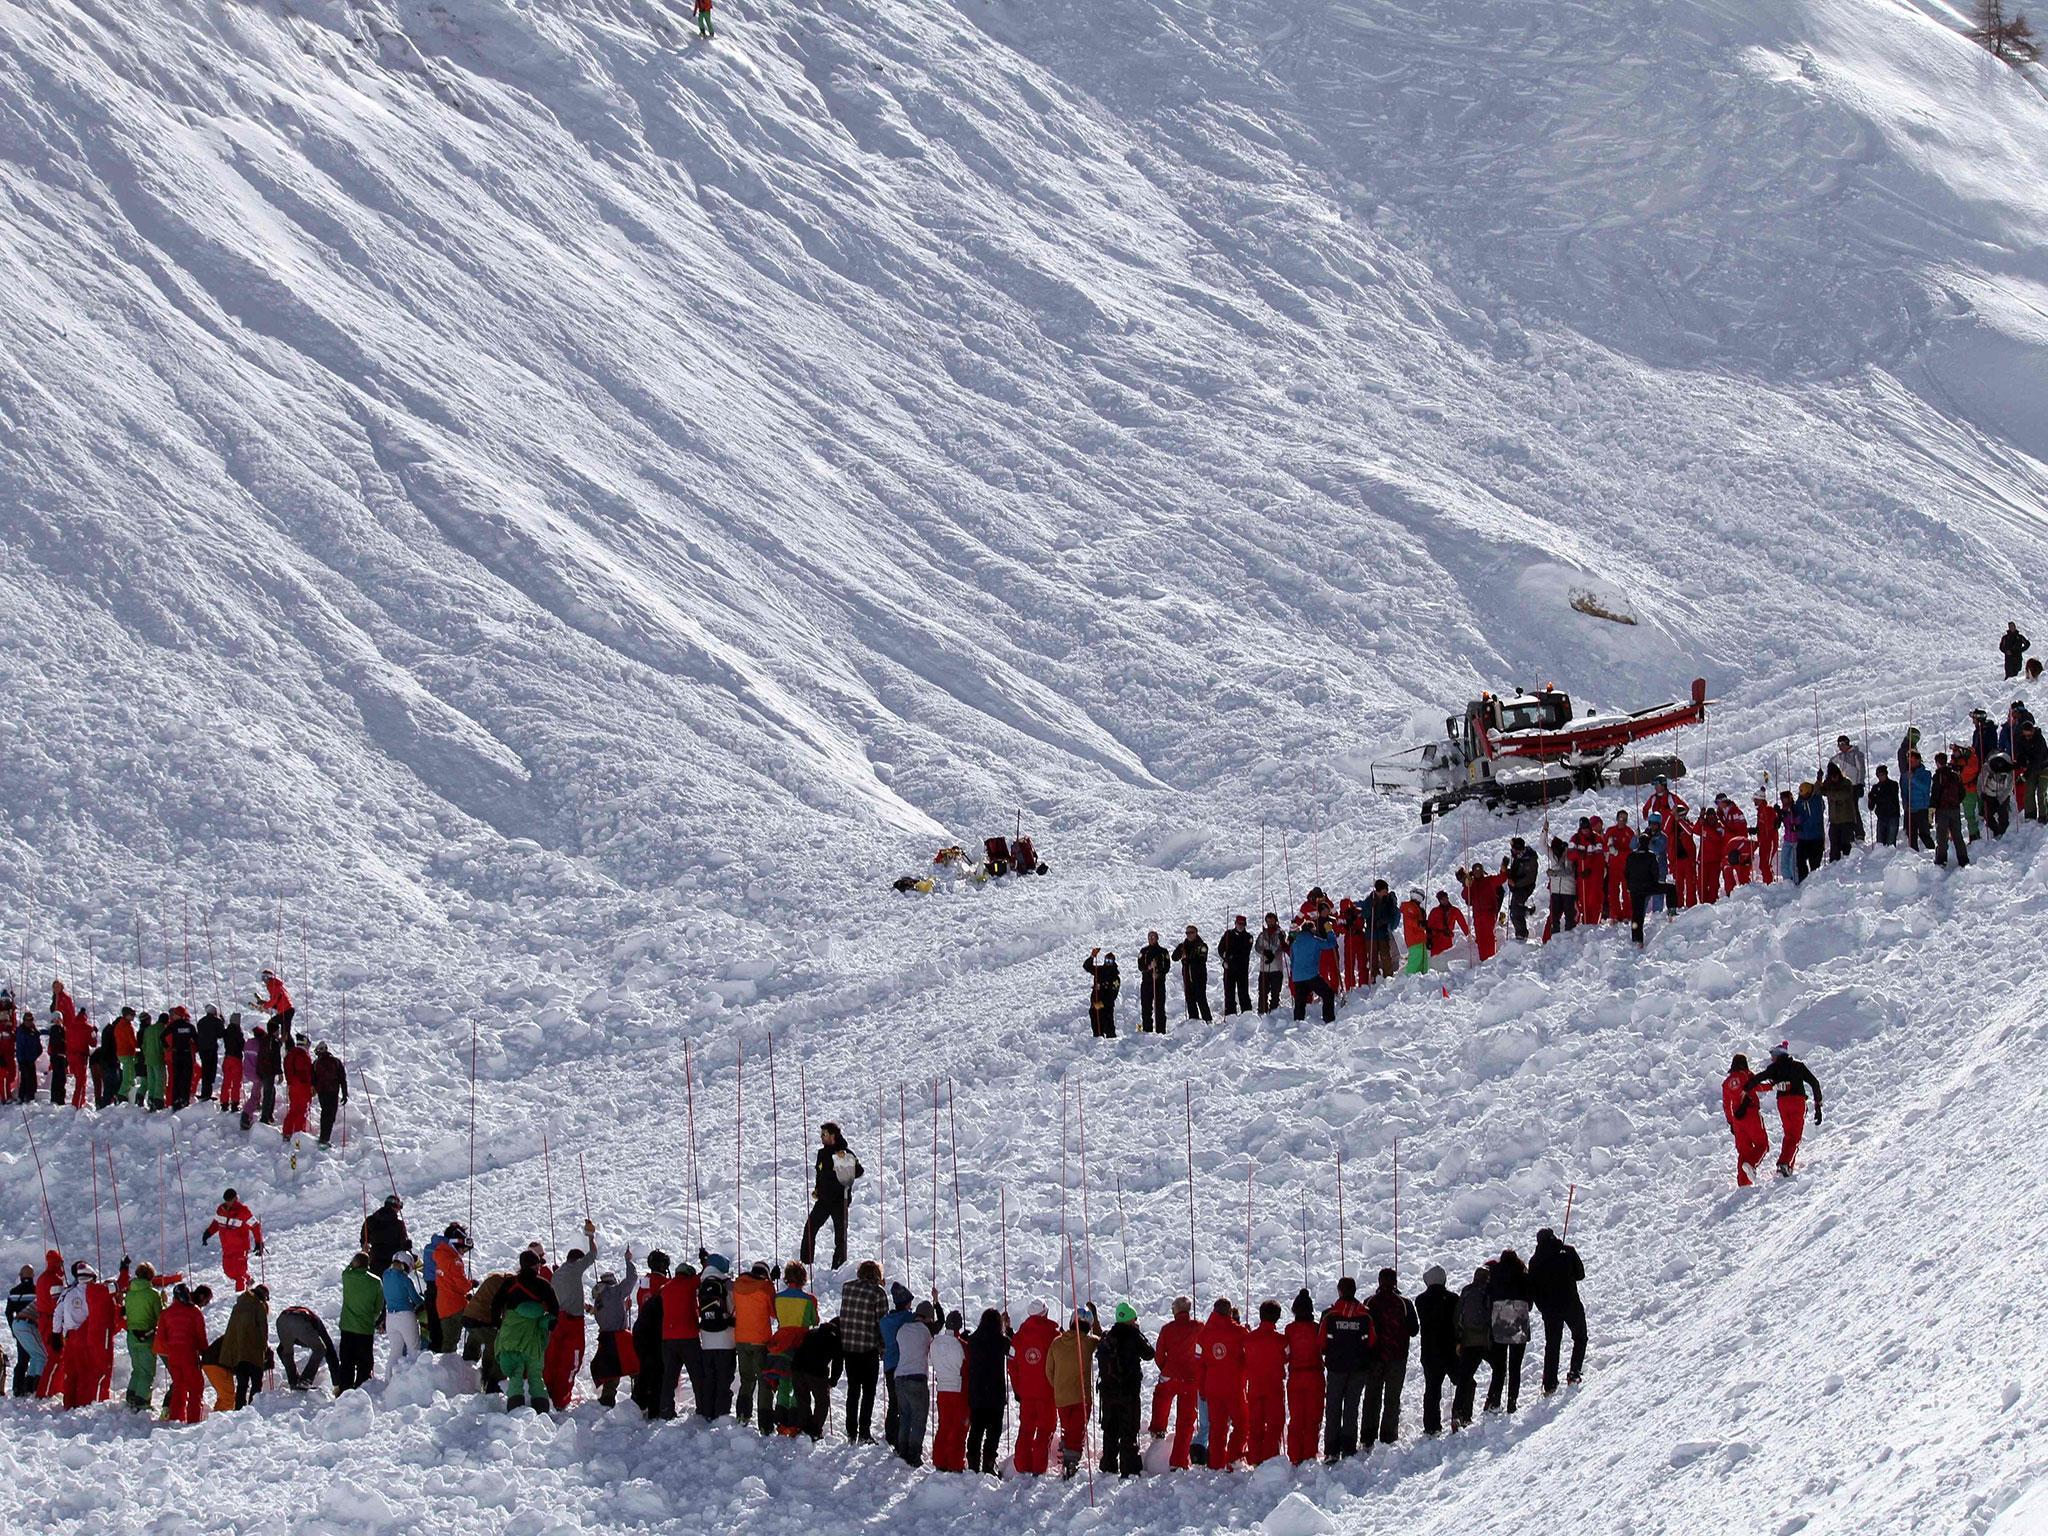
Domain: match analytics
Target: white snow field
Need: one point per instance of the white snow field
(533, 521)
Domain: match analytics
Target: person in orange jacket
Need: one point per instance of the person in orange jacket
(239, 1230)
(1029, 1351)
(1265, 1386)
(1178, 1357)
(1304, 1345)
(298, 1088)
(1484, 893)
(1745, 1119)
(753, 1325)
(1222, 1343)
(181, 1341)
(1415, 934)
(1443, 925)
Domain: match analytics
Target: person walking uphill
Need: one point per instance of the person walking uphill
(1554, 1276)
(2012, 646)
(1745, 1120)
(1105, 982)
(704, 27)
(1192, 955)
(1791, 1078)
(834, 1170)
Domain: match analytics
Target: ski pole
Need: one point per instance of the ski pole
(547, 1164)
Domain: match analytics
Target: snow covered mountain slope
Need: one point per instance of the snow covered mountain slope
(531, 521)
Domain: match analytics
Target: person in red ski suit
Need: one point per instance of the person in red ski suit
(1766, 839)
(1265, 1386)
(85, 1316)
(1351, 931)
(1745, 1119)
(238, 1229)
(279, 1002)
(1589, 858)
(78, 1041)
(298, 1088)
(1792, 1079)
(48, 1286)
(1739, 850)
(1621, 838)
(1713, 853)
(1177, 1352)
(1222, 1347)
(1681, 854)
(181, 1341)
(1028, 1378)
(1484, 894)
(1664, 801)
(1444, 923)
(1304, 1339)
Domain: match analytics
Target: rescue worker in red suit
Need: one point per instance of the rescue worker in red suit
(1222, 1346)
(1265, 1386)
(1444, 923)
(1589, 857)
(78, 1041)
(1351, 931)
(1177, 1352)
(1664, 801)
(1621, 838)
(1766, 839)
(1304, 1340)
(1484, 894)
(181, 1341)
(49, 1285)
(1028, 1379)
(279, 1002)
(298, 1088)
(238, 1229)
(1740, 852)
(1792, 1079)
(1713, 853)
(85, 1317)
(1681, 853)
(1745, 1119)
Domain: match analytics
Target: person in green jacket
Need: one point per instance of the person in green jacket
(525, 1311)
(144, 1306)
(362, 1310)
(153, 1059)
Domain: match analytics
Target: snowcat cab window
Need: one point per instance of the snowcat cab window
(1545, 712)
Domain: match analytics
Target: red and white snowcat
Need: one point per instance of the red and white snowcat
(1527, 749)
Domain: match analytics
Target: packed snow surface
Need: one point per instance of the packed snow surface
(530, 522)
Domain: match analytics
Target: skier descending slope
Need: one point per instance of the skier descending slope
(1792, 1079)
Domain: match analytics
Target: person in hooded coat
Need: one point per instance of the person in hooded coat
(1554, 1276)
(1512, 1297)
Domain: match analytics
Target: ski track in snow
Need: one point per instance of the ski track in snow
(567, 514)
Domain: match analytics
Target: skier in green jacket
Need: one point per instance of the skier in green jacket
(144, 1306)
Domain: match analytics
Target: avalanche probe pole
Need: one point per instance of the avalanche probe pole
(1569, 1195)
(584, 1173)
(953, 1152)
(49, 1221)
(1188, 1114)
(1343, 1263)
(1397, 1203)
(739, 1077)
(114, 1184)
(1123, 1232)
(547, 1166)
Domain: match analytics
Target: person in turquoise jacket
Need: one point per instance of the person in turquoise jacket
(402, 1300)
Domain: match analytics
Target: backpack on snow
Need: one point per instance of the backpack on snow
(714, 1304)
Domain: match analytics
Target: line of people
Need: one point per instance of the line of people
(169, 1062)
(1670, 859)
(1235, 1386)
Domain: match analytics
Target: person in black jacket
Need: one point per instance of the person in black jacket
(106, 1070)
(1792, 1078)
(1193, 954)
(1234, 949)
(1120, 1370)
(181, 1052)
(1153, 961)
(1474, 1322)
(330, 1083)
(269, 1064)
(831, 1194)
(988, 1359)
(2012, 645)
(1554, 1275)
(212, 1030)
(815, 1369)
(1393, 1325)
(1884, 805)
(1105, 982)
(1347, 1360)
(1512, 1297)
(647, 1338)
(1436, 1318)
(1639, 874)
(1522, 871)
(384, 1234)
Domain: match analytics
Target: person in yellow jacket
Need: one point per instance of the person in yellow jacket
(1069, 1366)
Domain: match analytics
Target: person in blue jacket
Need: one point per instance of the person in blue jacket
(28, 1050)
(1919, 797)
(1305, 970)
(1810, 824)
(899, 1313)
(402, 1301)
